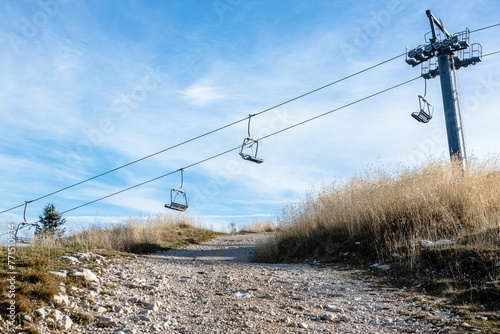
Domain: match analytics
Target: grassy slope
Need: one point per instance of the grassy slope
(35, 287)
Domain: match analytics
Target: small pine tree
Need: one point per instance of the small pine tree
(50, 222)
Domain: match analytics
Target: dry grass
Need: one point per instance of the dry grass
(260, 227)
(134, 236)
(379, 214)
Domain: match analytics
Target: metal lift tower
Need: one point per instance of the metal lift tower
(443, 55)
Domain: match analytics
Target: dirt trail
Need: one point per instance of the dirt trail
(214, 288)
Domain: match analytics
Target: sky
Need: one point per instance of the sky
(89, 86)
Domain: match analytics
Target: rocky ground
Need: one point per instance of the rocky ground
(214, 288)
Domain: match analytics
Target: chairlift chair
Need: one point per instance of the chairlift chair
(426, 110)
(23, 226)
(175, 193)
(247, 151)
(248, 144)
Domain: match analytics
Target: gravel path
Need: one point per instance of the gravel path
(214, 288)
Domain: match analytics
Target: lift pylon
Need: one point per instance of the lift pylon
(452, 53)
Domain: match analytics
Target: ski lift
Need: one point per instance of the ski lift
(178, 198)
(250, 147)
(24, 226)
(426, 109)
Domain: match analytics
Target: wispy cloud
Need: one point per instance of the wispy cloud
(202, 92)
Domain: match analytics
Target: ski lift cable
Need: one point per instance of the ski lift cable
(342, 107)
(331, 84)
(491, 53)
(149, 181)
(238, 147)
(205, 134)
(484, 28)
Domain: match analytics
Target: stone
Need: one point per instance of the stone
(146, 312)
(65, 322)
(327, 317)
(344, 318)
(84, 303)
(302, 325)
(86, 274)
(96, 289)
(106, 320)
(57, 315)
(242, 294)
(60, 273)
(61, 299)
(333, 308)
(145, 318)
(153, 307)
(83, 256)
(381, 266)
(101, 309)
(426, 243)
(442, 242)
(71, 259)
(41, 312)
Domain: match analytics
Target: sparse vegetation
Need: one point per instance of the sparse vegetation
(35, 287)
(382, 216)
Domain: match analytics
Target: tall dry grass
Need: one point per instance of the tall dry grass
(261, 226)
(134, 235)
(382, 212)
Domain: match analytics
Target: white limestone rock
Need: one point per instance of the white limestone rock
(61, 299)
(86, 274)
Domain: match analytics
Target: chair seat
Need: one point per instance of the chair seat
(176, 206)
(251, 158)
(421, 116)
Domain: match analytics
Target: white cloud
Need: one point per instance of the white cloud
(202, 92)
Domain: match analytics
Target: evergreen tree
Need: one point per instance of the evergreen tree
(50, 222)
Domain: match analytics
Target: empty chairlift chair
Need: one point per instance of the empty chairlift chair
(24, 226)
(426, 110)
(178, 198)
(250, 147)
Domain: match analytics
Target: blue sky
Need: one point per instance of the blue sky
(88, 86)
